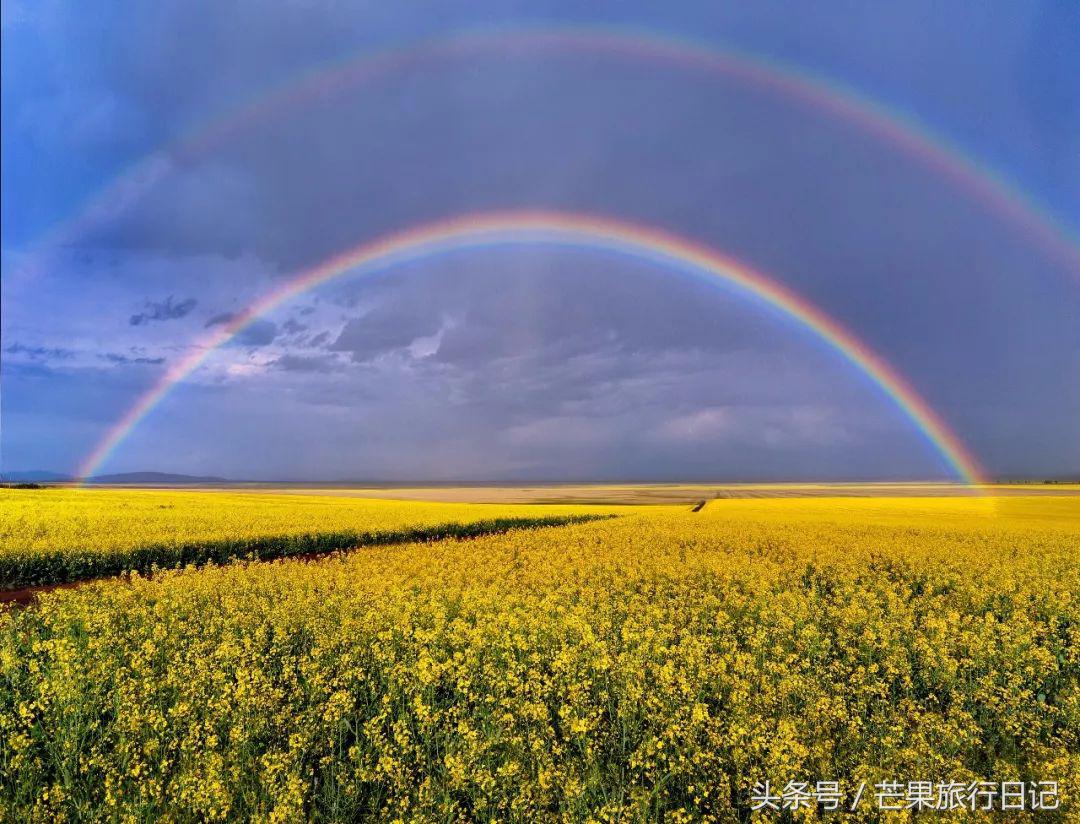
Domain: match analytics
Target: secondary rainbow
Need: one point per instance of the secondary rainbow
(796, 84)
(576, 230)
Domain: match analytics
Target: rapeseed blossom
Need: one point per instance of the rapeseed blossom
(654, 666)
(56, 535)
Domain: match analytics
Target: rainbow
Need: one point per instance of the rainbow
(795, 84)
(574, 230)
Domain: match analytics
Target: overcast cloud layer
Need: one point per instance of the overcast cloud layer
(532, 362)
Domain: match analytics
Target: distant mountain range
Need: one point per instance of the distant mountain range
(147, 478)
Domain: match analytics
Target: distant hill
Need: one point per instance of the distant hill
(147, 478)
(156, 478)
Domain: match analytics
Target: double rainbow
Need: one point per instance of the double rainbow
(562, 229)
(794, 84)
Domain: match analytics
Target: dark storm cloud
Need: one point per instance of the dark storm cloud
(167, 309)
(293, 327)
(513, 304)
(40, 352)
(386, 328)
(219, 319)
(307, 363)
(125, 360)
(258, 333)
(579, 334)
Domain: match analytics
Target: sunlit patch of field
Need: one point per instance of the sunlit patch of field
(59, 534)
(676, 494)
(982, 514)
(650, 667)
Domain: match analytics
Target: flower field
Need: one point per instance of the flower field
(655, 666)
(57, 535)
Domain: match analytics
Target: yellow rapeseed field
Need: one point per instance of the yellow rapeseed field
(55, 535)
(651, 667)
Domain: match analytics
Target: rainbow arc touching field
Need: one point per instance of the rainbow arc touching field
(572, 230)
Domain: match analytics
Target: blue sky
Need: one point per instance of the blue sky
(533, 362)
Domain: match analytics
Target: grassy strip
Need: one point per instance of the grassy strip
(37, 568)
